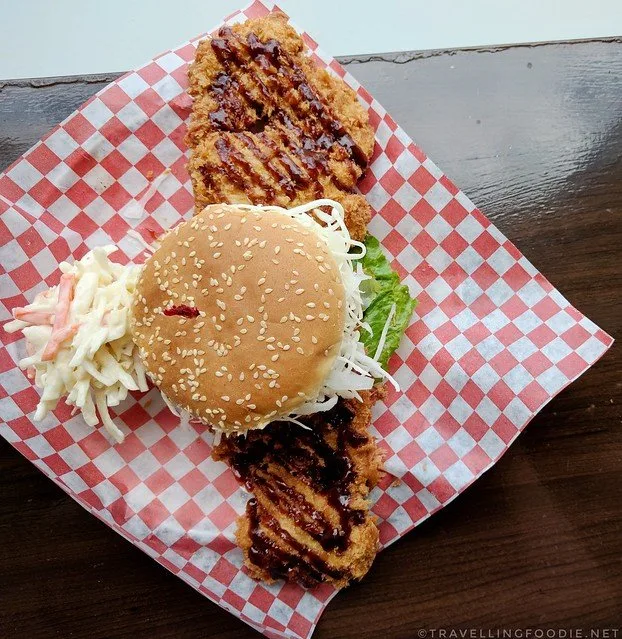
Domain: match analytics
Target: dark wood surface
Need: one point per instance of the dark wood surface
(533, 134)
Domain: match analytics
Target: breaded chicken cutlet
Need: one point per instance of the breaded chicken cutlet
(269, 127)
(309, 520)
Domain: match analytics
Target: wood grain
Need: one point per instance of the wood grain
(533, 134)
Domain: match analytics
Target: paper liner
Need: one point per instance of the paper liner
(491, 343)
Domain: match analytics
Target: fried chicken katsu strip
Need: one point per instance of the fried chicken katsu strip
(309, 520)
(269, 127)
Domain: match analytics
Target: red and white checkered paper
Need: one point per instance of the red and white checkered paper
(491, 343)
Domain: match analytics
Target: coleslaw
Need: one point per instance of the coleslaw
(78, 339)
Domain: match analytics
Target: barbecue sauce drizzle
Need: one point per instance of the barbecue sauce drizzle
(328, 470)
(309, 139)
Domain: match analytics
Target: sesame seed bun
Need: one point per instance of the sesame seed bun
(239, 315)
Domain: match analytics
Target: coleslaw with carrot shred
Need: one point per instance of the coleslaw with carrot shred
(78, 339)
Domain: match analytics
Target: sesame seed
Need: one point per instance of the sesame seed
(309, 317)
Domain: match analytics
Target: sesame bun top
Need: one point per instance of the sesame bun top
(239, 315)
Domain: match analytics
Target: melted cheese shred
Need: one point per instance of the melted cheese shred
(78, 339)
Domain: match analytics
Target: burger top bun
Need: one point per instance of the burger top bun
(239, 315)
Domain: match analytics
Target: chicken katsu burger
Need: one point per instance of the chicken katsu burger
(247, 314)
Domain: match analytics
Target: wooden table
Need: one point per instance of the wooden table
(533, 134)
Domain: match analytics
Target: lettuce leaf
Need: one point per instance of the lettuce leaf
(380, 293)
